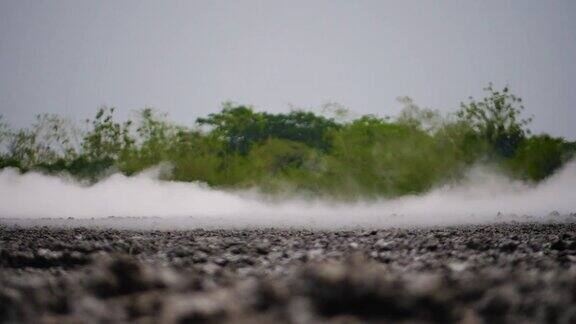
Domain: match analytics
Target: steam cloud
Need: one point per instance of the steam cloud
(481, 198)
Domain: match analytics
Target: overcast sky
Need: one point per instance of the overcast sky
(187, 57)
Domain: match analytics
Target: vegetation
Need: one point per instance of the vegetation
(299, 151)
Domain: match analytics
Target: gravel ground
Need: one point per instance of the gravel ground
(523, 272)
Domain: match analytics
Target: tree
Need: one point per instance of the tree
(372, 157)
(239, 127)
(497, 119)
(540, 156)
(107, 138)
(277, 155)
(301, 126)
(4, 132)
(51, 138)
(416, 117)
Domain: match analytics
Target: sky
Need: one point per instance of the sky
(187, 57)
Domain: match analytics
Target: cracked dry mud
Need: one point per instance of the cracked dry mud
(473, 274)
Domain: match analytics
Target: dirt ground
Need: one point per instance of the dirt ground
(473, 274)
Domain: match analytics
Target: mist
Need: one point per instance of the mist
(484, 196)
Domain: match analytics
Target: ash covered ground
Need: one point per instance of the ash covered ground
(506, 272)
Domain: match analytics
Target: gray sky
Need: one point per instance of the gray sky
(186, 57)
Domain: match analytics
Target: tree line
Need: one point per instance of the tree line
(299, 151)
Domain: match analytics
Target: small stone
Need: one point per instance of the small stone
(476, 244)
(509, 246)
(262, 249)
(559, 245)
(458, 266)
(383, 245)
(193, 309)
(497, 303)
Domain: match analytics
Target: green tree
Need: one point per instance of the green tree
(280, 165)
(107, 139)
(278, 155)
(155, 142)
(497, 119)
(540, 156)
(49, 139)
(373, 157)
(301, 126)
(4, 132)
(238, 126)
(414, 116)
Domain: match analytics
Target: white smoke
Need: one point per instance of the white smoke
(484, 197)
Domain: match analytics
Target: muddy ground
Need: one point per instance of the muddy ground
(473, 274)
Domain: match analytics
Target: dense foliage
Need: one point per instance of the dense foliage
(300, 151)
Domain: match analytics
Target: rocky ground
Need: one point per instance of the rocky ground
(472, 274)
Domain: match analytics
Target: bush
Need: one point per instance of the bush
(497, 119)
(540, 156)
(367, 157)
